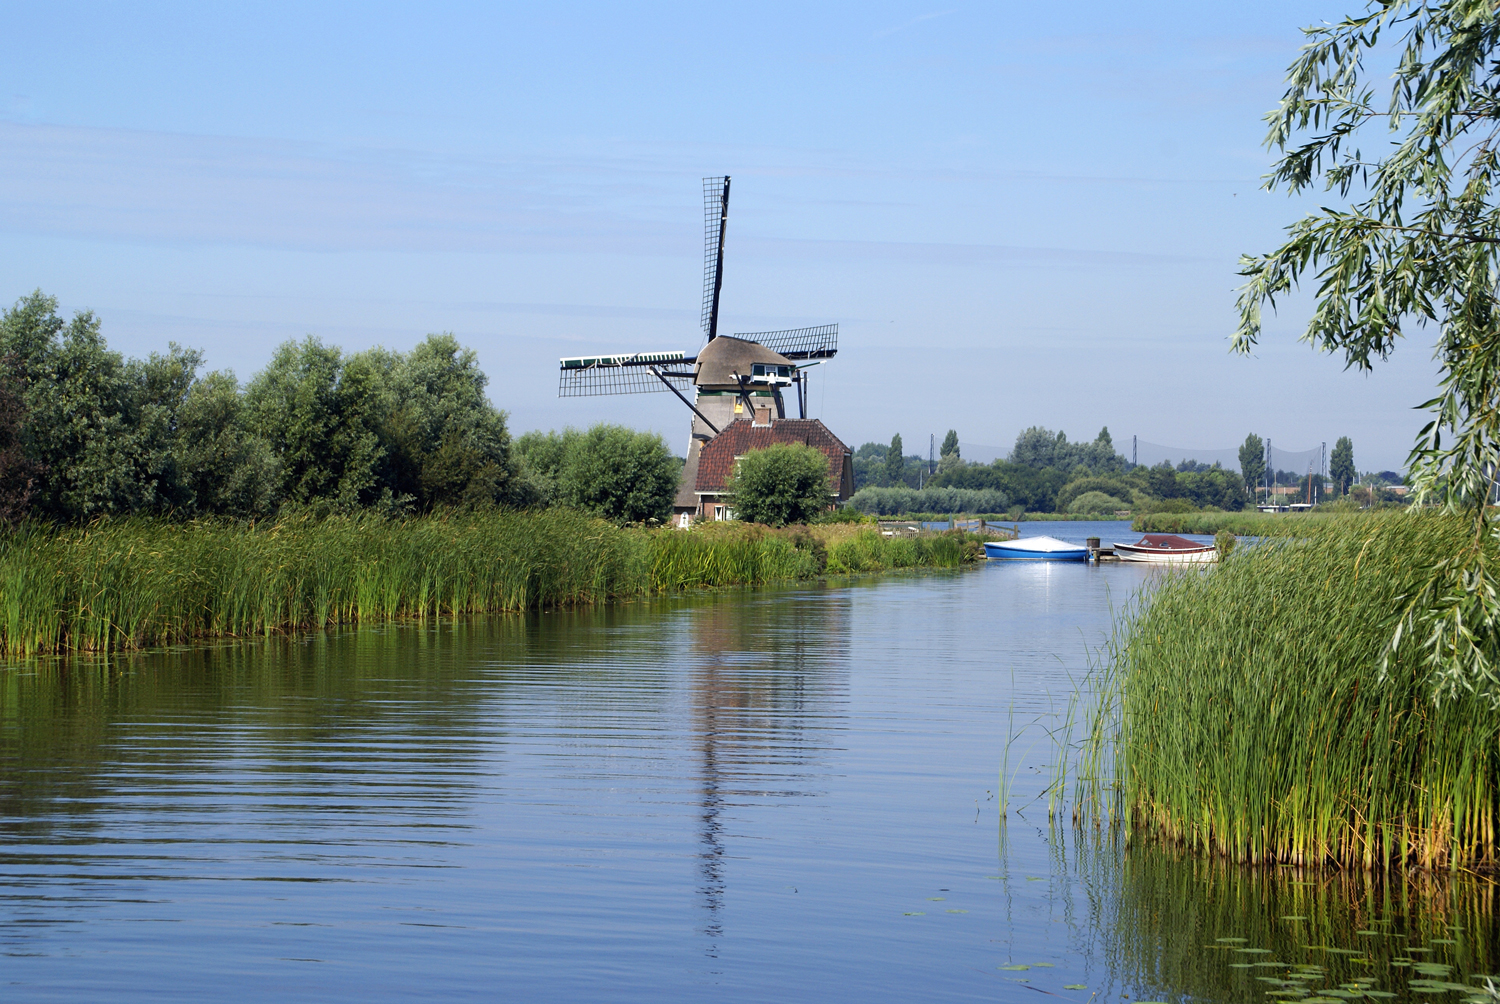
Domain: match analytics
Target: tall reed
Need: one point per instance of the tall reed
(122, 584)
(1249, 717)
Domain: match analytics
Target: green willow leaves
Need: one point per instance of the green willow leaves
(1415, 242)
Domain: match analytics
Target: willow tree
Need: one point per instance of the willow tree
(1413, 242)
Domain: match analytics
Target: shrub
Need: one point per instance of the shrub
(785, 483)
(618, 474)
(894, 501)
(1096, 502)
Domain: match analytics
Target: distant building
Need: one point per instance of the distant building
(700, 495)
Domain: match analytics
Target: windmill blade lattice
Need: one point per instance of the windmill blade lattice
(715, 215)
(634, 373)
(821, 342)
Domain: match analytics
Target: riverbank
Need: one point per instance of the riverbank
(136, 583)
(1245, 712)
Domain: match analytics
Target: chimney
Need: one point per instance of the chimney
(762, 416)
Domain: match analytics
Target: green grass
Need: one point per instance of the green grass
(1243, 713)
(126, 584)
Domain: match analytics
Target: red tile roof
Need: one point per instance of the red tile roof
(716, 461)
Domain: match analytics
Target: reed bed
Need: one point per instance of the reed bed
(128, 584)
(1244, 524)
(1243, 713)
(868, 550)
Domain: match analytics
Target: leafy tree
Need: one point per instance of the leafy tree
(1034, 489)
(224, 468)
(785, 483)
(620, 474)
(99, 430)
(542, 455)
(1039, 447)
(950, 444)
(1253, 460)
(19, 474)
(895, 463)
(319, 421)
(1217, 487)
(1417, 243)
(445, 443)
(1341, 464)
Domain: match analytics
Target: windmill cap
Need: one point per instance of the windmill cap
(725, 356)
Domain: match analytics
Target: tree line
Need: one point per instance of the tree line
(86, 432)
(1047, 472)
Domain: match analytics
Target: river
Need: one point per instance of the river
(781, 794)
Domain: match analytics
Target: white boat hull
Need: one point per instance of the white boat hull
(1165, 556)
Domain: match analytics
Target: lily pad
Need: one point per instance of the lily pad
(1254, 951)
(1014, 969)
(1237, 941)
(1044, 965)
(1075, 986)
(956, 911)
(914, 913)
(936, 899)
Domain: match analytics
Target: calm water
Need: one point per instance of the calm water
(779, 795)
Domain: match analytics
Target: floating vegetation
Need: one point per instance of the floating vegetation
(1264, 676)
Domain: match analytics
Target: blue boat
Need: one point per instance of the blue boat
(1036, 549)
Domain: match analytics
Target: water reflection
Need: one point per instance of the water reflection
(752, 660)
(781, 794)
(1166, 925)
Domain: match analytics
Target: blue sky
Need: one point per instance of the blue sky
(1019, 214)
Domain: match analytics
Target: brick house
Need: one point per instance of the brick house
(703, 497)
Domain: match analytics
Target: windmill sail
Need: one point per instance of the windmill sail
(821, 342)
(715, 216)
(626, 373)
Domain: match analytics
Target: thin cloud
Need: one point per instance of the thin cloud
(913, 21)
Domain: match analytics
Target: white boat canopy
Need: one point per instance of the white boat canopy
(1040, 545)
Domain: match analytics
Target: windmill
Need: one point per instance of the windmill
(732, 377)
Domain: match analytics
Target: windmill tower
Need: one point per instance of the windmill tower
(742, 377)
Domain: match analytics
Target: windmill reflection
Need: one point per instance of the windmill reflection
(765, 678)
